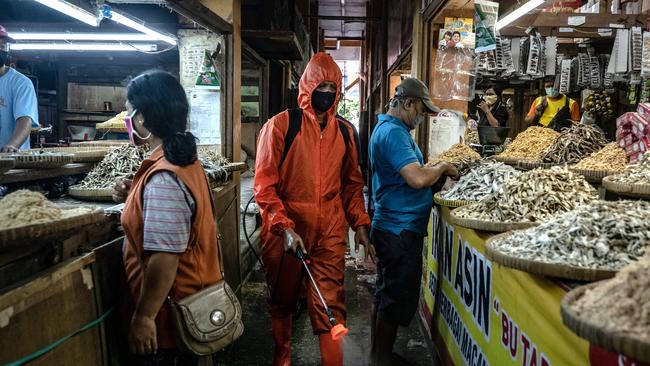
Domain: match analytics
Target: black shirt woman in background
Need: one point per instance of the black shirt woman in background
(492, 111)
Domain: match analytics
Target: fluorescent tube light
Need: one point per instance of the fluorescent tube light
(71, 10)
(117, 17)
(84, 47)
(22, 36)
(518, 13)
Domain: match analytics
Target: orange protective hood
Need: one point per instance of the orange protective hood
(320, 68)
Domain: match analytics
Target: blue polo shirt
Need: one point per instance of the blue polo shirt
(397, 206)
(17, 99)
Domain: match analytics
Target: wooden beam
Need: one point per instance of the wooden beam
(196, 11)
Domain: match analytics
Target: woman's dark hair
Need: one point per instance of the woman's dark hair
(448, 33)
(498, 91)
(162, 101)
(457, 32)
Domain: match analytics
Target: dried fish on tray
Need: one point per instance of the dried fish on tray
(38, 159)
(529, 144)
(613, 314)
(574, 144)
(633, 181)
(458, 154)
(533, 196)
(607, 161)
(213, 163)
(590, 242)
(484, 178)
(122, 162)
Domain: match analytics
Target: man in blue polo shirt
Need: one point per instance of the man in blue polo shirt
(18, 103)
(402, 196)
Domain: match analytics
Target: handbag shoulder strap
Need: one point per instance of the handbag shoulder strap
(216, 223)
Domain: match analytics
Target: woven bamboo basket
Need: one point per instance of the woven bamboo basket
(493, 226)
(530, 165)
(88, 154)
(15, 236)
(44, 161)
(507, 160)
(437, 198)
(610, 339)
(593, 176)
(627, 189)
(91, 194)
(544, 268)
(100, 143)
(6, 164)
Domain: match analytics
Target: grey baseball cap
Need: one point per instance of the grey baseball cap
(414, 88)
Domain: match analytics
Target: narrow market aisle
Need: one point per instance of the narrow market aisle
(256, 345)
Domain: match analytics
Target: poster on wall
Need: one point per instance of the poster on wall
(205, 115)
(457, 33)
(485, 17)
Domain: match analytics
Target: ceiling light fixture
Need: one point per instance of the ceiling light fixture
(124, 20)
(23, 36)
(518, 13)
(84, 47)
(71, 10)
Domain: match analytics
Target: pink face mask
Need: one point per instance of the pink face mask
(128, 121)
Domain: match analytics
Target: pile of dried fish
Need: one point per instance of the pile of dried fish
(634, 174)
(533, 196)
(24, 207)
(458, 154)
(599, 235)
(529, 144)
(574, 144)
(122, 162)
(213, 163)
(484, 177)
(620, 305)
(610, 158)
(471, 136)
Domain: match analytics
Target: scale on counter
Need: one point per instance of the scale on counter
(487, 150)
(491, 140)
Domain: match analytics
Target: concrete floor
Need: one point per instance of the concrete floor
(255, 347)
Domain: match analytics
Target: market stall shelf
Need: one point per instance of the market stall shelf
(450, 203)
(100, 143)
(484, 225)
(593, 176)
(615, 341)
(627, 189)
(82, 154)
(544, 268)
(13, 236)
(91, 194)
(40, 161)
(6, 164)
(26, 175)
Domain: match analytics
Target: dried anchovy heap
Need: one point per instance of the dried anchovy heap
(213, 163)
(484, 177)
(122, 162)
(610, 158)
(634, 174)
(529, 144)
(25, 207)
(471, 136)
(620, 305)
(603, 235)
(574, 144)
(457, 154)
(533, 196)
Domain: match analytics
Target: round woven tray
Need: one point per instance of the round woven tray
(90, 194)
(87, 154)
(530, 165)
(612, 340)
(6, 164)
(627, 189)
(544, 268)
(45, 161)
(437, 198)
(101, 143)
(506, 160)
(17, 235)
(593, 176)
(493, 226)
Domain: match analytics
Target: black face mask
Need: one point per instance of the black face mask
(4, 55)
(322, 101)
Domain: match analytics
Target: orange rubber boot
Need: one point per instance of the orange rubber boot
(282, 338)
(331, 352)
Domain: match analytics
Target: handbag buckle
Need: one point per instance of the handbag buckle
(217, 317)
